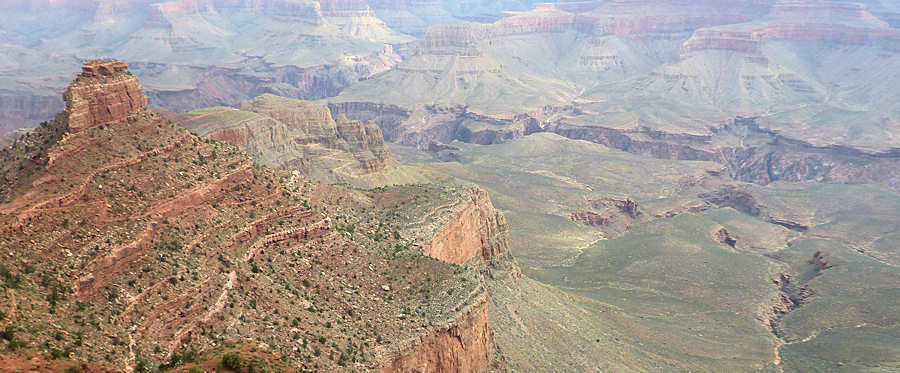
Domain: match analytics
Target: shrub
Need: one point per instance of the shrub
(233, 361)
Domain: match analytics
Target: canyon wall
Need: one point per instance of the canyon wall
(104, 93)
(292, 134)
(232, 86)
(465, 344)
(631, 17)
(476, 230)
(22, 109)
(845, 23)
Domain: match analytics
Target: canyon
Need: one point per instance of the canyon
(765, 157)
(151, 196)
(430, 185)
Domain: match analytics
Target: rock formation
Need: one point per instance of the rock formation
(475, 230)
(610, 215)
(298, 135)
(846, 23)
(464, 345)
(104, 93)
(169, 243)
(631, 17)
(722, 235)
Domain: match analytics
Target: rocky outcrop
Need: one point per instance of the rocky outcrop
(475, 230)
(739, 41)
(642, 141)
(610, 215)
(423, 126)
(104, 93)
(297, 135)
(345, 8)
(389, 118)
(545, 18)
(722, 235)
(465, 344)
(114, 217)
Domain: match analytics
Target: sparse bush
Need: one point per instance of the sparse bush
(233, 361)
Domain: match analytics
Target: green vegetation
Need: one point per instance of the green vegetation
(233, 361)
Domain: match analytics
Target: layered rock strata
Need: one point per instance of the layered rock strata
(130, 223)
(104, 93)
(475, 230)
(297, 135)
(463, 345)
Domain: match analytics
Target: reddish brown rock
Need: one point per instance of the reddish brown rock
(104, 93)
(464, 345)
(545, 18)
(476, 230)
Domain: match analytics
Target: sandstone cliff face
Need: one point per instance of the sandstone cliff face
(463, 345)
(104, 93)
(545, 18)
(313, 124)
(476, 230)
(740, 41)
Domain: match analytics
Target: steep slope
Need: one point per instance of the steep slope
(710, 275)
(134, 242)
(292, 135)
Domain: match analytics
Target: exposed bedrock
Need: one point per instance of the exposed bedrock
(629, 17)
(463, 345)
(475, 231)
(298, 135)
(104, 93)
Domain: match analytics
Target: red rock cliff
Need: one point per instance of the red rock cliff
(476, 230)
(104, 93)
(463, 345)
